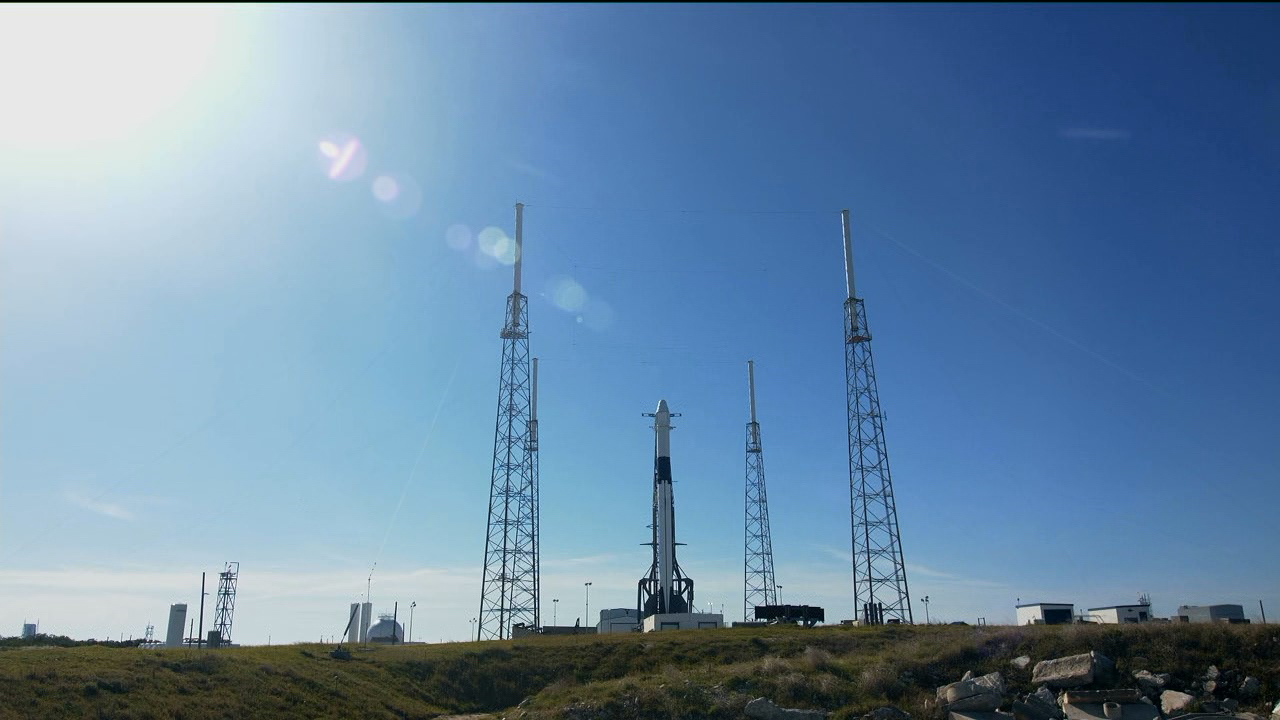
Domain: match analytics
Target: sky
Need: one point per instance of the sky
(254, 262)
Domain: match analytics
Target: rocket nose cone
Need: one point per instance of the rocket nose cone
(662, 406)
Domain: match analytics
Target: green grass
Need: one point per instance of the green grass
(709, 673)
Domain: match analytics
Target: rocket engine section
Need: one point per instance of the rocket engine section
(665, 589)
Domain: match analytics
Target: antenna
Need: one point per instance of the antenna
(368, 591)
(848, 254)
(519, 245)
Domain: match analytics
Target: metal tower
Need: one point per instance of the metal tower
(879, 574)
(758, 583)
(226, 606)
(509, 586)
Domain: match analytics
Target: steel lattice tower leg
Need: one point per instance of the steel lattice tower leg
(509, 587)
(759, 587)
(226, 607)
(879, 573)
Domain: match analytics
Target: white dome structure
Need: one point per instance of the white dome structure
(387, 630)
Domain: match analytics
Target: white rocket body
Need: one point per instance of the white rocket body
(666, 511)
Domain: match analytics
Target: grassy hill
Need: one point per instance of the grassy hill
(708, 673)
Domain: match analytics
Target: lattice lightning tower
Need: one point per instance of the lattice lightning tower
(226, 607)
(759, 587)
(509, 586)
(879, 574)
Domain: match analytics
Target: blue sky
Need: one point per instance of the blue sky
(211, 350)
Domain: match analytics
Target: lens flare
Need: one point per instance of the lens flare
(567, 294)
(385, 188)
(398, 195)
(495, 243)
(458, 236)
(343, 157)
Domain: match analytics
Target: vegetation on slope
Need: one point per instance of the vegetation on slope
(708, 673)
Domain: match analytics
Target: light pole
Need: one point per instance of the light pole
(779, 594)
(925, 600)
(555, 605)
(412, 605)
(587, 615)
(473, 630)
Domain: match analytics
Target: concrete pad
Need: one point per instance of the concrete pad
(1081, 697)
(1129, 711)
(978, 715)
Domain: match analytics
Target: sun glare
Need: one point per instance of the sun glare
(72, 76)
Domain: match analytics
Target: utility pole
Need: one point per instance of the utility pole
(555, 606)
(412, 605)
(925, 600)
(200, 636)
(586, 617)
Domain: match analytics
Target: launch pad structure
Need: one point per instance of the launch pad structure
(510, 585)
(879, 573)
(759, 586)
(509, 589)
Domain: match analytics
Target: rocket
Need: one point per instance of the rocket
(665, 589)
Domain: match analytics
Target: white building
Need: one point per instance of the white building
(683, 621)
(618, 620)
(1046, 613)
(1117, 614)
(177, 625)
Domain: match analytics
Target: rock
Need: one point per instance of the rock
(1212, 673)
(1031, 711)
(978, 694)
(1210, 687)
(1249, 716)
(1210, 706)
(1275, 711)
(1152, 684)
(887, 712)
(764, 709)
(1065, 672)
(1250, 687)
(1146, 700)
(1103, 667)
(968, 675)
(1021, 662)
(1046, 701)
(1229, 705)
(1172, 701)
(1080, 697)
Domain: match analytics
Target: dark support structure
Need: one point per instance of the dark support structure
(879, 573)
(226, 607)
(509, 587)
(759, 587)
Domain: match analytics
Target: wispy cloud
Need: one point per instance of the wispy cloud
(97, 504)
(1088, 133)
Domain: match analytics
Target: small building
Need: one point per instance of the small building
(1119, 614)
(616, 620)
(683, 621)
(1211, 614)
(1046, 613)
